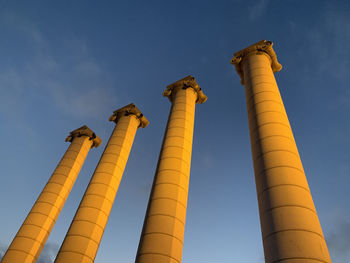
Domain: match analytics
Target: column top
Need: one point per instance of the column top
(261, 47)
(85, 131)
(185, 83)
(129, 109)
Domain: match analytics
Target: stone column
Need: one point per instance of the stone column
(163, 230)
(32, 236)
(290, 228)
(85, 233)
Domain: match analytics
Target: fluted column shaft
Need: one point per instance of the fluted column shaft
(163, 231)
(34, 232)
(84, 235)
(290, 227)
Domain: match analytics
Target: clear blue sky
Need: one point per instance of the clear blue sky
(64, 64)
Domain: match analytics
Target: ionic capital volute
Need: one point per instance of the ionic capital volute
(185, 83)
(85, 131)
(263, 47)
(127, 110)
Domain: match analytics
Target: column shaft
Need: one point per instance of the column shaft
(291, 231)
(84, 235)
(31, 237)
(163, 231)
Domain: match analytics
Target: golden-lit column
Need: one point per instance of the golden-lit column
(163, 230)
(291, 231)
(32, 236)
(84, 235)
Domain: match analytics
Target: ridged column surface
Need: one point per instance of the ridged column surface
(34, 232)
(84, 235)
(290, 227)
(163, 231)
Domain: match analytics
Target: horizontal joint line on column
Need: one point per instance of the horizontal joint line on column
(280, 166)
(180, 147)
(104, 197)
(110, 174)
(122, 130)
(114, 144)
(30, 224)
(109, 186)
(43, 215)
(181, 159)
(249, 83)
(113, 163)
(266, 137)
(178, 127)
(118, 155)
(280, 185)
(167, 216)
(84, 220)
(67, 177)
(175, 185)
(267, 123)
(44, 202)
(259, 75)
(291, 258)
(122, 137)
(73, 159)
(70, 167)
(189, 104)
(254, 68)
(256, 93)
(282, 206)
(168, 198)
(278, 150)
(281, 112)
(62, 185)
(160, 233)
(45, 191)
(41, 244)
(77, 235)
(186, 111)
(181, 119)
(155, 253)
(23, 251)
(71, 150)
(254, 104)
(98, 209)
(74, 252)
(111, 145)
(297, 229)
(173, 170)
(182, 137)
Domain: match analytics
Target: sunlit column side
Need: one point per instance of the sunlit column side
(164, 225)
(291, 231)
(84, 235)
(32, 236)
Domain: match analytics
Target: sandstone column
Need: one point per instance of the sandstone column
(85, 233)
(32, 236)
(163, 230)
(291, 231)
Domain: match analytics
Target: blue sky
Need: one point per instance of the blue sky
(69, 63)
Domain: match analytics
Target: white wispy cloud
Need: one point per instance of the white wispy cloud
(47, 255)
(78, 87)
(258, 9)
(338, 240)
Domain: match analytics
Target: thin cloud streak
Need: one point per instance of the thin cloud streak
(258, 9)
(79, 88)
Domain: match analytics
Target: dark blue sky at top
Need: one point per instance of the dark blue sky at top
(68, 63)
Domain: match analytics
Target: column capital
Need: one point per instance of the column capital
(85, 131)
(127, 110)
(185, 83)
(263, 47)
